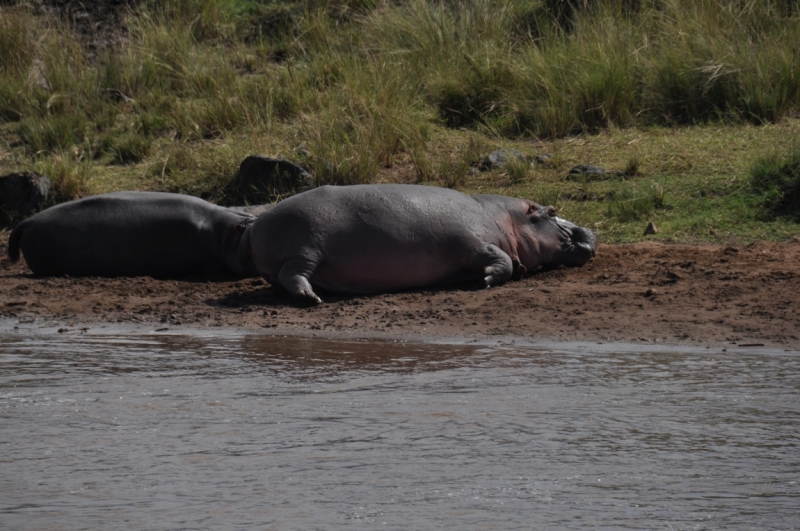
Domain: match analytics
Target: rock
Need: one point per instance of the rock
(544, 159)
(650, 229)
(587, 169)
(22, 194)
(264, 180)
(501, 157)
(651, 292)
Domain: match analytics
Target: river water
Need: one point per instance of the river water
(133, 430)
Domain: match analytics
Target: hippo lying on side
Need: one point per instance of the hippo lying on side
(379, 238)
(135, 234)
(253, 210)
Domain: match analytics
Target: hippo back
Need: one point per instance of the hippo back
(126, 234)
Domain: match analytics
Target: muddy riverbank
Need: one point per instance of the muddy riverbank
(646, 292)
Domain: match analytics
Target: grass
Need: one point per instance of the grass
(636, 202)
(776, 179)
(680, 97)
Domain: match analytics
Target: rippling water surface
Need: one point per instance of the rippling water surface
(146, 431)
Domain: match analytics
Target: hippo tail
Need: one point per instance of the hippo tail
(13, 243)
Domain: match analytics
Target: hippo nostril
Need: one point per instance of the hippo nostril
(585, 238)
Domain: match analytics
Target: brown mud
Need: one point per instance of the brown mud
(645, 292)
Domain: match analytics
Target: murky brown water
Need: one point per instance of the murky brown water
(137, 431)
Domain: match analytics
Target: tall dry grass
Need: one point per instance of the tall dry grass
(356, 82)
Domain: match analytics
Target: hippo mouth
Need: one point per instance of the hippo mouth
(578, 244)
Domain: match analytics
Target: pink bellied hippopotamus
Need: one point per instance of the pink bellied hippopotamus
(391, 237)
(135, 234)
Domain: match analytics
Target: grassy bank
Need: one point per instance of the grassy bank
(688, 96)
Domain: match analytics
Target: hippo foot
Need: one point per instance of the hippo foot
(519, 270)
(294, 277)
(311, 298)
(500, 266)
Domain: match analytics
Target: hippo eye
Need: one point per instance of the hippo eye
(551, 211)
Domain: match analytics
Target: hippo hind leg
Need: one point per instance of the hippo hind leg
(294, 277)
(495, 264)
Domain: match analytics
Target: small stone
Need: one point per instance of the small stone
(650, 293)
(650, 229)
(672, 275)
(501, 157)
(587, 169)
(543, 159)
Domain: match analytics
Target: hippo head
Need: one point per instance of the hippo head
(536, 236)
(542, 238)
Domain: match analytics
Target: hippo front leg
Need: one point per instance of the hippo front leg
(295, 275)
(495, 264)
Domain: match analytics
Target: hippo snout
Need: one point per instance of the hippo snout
(581, 244)
(585, 238)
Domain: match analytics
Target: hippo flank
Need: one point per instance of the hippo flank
(390, 237)
(135, 234)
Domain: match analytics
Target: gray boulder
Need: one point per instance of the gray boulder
(22, 194)
(265, 180)
(501, 157)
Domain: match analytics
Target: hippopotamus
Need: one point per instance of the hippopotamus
(135, 234)
(253, 210)
(379, 238)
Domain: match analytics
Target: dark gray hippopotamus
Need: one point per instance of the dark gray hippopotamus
(380, 238)
(253, 210)
(135, 234)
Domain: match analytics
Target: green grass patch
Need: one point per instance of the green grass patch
(636, 201)
(776, 179)
(69, 177)
(680, 93)
(53, 134)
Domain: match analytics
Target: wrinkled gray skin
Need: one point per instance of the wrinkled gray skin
(135, 234)
(253, 210)
(381, 238)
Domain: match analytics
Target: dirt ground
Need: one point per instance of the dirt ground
(646, 292)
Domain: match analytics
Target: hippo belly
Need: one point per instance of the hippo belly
(368, 271)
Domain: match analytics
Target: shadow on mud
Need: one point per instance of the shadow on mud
(276, 296)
